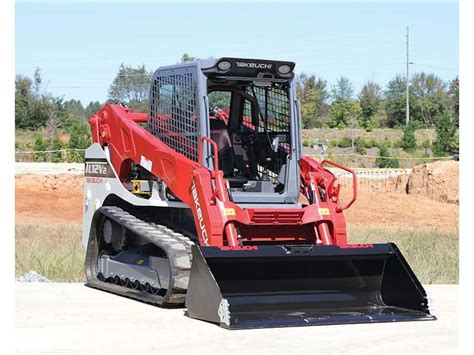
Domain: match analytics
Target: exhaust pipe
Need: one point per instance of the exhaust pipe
(281, 286)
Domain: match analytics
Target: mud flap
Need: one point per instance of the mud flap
(278, 286)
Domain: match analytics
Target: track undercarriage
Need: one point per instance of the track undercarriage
(140, 260)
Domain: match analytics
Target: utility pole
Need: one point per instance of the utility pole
(408, 80)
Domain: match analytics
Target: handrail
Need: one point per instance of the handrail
(214, 146)
(354, 183)
(219, 189)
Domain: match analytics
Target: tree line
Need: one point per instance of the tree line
(434, 103)
(39, 110)
(375, 107)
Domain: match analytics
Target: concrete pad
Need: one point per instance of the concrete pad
(62, 318)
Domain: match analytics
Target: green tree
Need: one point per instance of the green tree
(344, 113)
(34, 108)
(24, 102)
(430, 98)
(370, 98)
(187, 58)
(57, 144)
(359, 146)
(28, 107)
(408, 141)
(395, 101)
(313, 95)
(40, 146)
(79, 138)
(74, 108)
(453, 93)
(343, 90)
(131, 86)
(92, 108)
(344, 110)
(447, 138)
(385, 160)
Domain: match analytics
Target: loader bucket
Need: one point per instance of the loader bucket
(278, 286)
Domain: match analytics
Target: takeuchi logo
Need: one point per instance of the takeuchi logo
(202, 225)
(254, 65)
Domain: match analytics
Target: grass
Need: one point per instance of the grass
(24, 139)
(433, 256)
(55, 251)
(368, 161)
(378, 134)
(340, 145)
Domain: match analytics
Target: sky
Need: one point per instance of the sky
(79, 46)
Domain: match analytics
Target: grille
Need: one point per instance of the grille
(274, 106)
(276, 217)
(174, 112)
(273, 103)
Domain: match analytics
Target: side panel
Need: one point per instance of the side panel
(100, 181)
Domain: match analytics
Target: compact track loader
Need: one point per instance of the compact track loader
(207, 201)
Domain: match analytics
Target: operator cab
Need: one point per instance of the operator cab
(248, 158)
(250, 121)
(248, 108)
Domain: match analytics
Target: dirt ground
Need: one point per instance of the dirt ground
(49, 198)
(392, 209)
(59, 198)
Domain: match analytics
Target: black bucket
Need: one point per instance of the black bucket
(280, 286)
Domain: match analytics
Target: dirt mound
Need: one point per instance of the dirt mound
(49, 198)
(438, 181)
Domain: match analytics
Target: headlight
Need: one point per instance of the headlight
(284, 69)
(224, 65)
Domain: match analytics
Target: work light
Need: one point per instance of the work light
(224, 65)
(284, 69)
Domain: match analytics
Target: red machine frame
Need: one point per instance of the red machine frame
(219, 221)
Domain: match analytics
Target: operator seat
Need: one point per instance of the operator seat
(220, 135)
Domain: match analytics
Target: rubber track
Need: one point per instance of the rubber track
(176, 246)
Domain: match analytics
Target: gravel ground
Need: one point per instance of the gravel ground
(71, 318)
(32, 276)
(49, 168)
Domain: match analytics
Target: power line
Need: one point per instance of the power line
(359, 68)
(77, 87)
(434, 66)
